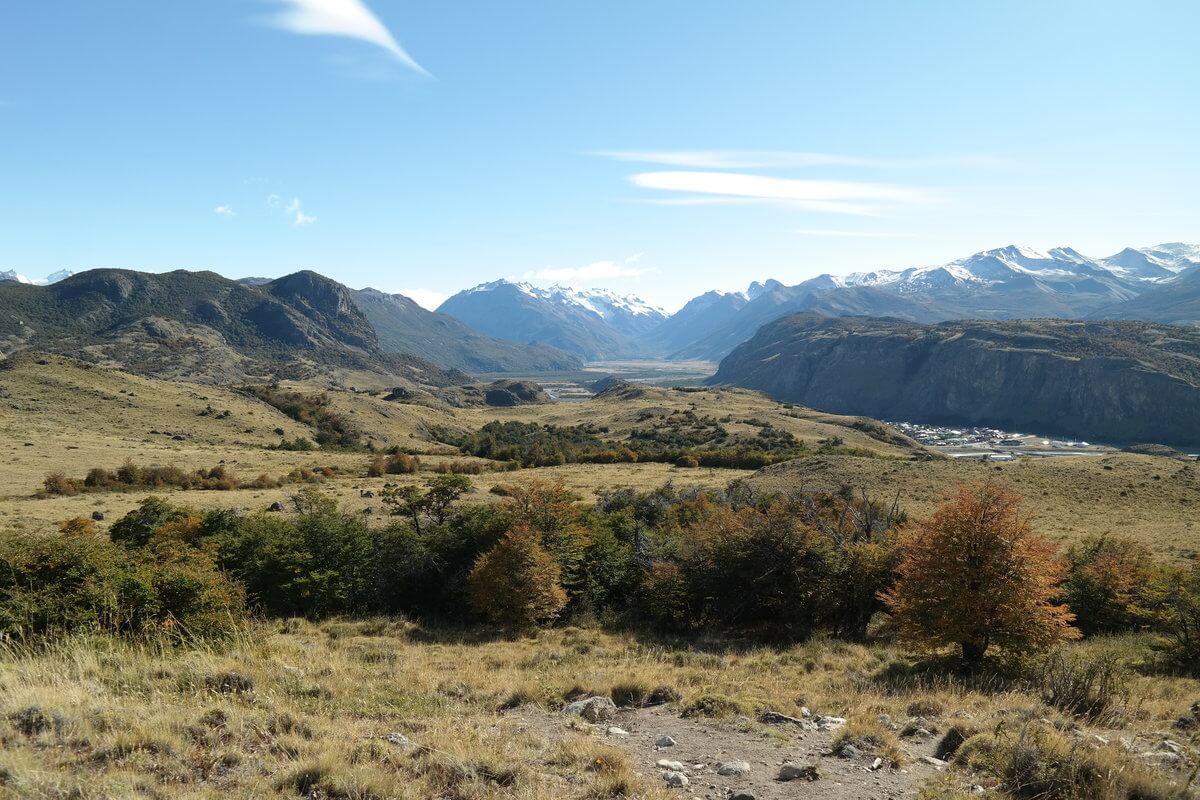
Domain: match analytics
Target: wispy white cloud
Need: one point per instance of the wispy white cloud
(766, 159)
(296, 212)
(851, 234)
(224, 211)
(293, 208)
(831, 196)
(348, 18)
(596, 271)
(426, 298)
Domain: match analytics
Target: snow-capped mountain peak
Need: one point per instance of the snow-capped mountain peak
(12, 276)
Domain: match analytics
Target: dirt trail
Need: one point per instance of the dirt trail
(703, 745)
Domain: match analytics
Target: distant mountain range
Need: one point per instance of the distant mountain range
(593, 324)
(1113, 381)
(1155, 283)
(511, 327)
(201, 326)
(405, 327)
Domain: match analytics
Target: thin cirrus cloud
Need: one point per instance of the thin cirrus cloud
(595, 271)
(844, 234)
(767, 159)
(831, 196)
(347, 18)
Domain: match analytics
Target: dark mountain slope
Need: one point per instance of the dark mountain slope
(1176, 302)
(1117, 382)
(405, 327)
(694, 321)
(821, 295)
(202, 326)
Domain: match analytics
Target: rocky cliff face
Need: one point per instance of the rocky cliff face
(1115, 382)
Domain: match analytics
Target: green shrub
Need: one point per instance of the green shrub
(79, 581)
(1107, 585)
(317, 562)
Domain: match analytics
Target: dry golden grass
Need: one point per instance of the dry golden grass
(300, 709)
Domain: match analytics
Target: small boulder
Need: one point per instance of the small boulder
(848, 751)
(598, 709)
(674, 766)
(398, 739)
(276, 506)
(675, 779)
(664, 741)
(794, 772)
(593, 709)
(744, 794)
(734, 769)
(776, 718)
(98, 516)
(615, 731)
(936, 763)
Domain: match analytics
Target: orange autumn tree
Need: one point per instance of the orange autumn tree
(516, 583)
(975, 575)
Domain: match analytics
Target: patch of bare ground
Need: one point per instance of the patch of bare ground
(723, 757)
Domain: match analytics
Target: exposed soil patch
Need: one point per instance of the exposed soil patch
(702, 746)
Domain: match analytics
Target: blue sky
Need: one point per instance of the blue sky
(662, 148)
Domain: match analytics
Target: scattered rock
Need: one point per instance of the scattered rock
(276, 506)
(615, 731)
(98, 516)
(775, 718)
(745, 794)
(829, 723)
(593, 709)
(1161, 758)
(792, 772)
(936, 763)
(598, 709)
(848, 751)
(664, 741)
(398, 739)
(734, 769)
(876, 764)
(675, 779)
(674, 766)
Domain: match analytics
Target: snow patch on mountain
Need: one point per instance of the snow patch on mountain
(604, 303)
(12, 276)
